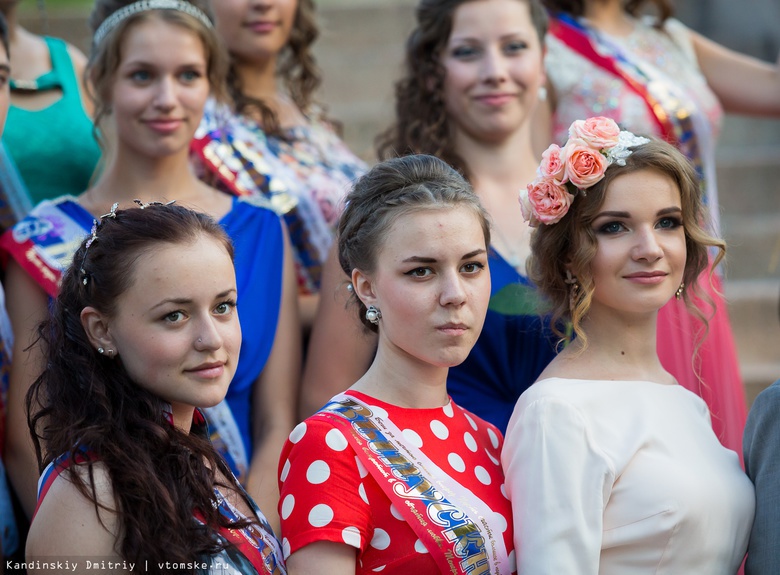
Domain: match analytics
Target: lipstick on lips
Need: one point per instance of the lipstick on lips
(262, 26)
(164, 125)
(498, 99)
(648, 278)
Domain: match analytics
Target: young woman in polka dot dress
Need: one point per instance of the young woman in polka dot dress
(391, 475)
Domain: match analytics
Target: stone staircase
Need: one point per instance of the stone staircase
(361, 49)
(749, 187)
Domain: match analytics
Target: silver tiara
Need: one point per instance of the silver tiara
(144, 6)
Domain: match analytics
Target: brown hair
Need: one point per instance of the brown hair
(84, 400)
(388, 191)
(421, 124)
(4, 35)
(576, 8)
(571, 243)
(105, 57)
(298, 69)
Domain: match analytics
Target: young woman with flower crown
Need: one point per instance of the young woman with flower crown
(611, 466)
(143, 333)
(153, 66)
(655, 76)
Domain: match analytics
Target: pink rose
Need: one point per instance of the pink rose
(552, 165)
(548, 199)
(584, 165)
(598, 132)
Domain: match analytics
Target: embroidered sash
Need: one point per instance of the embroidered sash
(237, 166)
(256, 542)
(456, 526)
(44, 242)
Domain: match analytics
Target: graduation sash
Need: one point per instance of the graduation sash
(455, 525)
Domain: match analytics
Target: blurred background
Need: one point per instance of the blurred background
(360, 52)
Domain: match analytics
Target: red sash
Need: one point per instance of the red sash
(576, 38)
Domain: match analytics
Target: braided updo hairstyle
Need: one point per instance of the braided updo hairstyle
(388, 191)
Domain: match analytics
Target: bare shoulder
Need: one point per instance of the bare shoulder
(77, 57)
(68, 524)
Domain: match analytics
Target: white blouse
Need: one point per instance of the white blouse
(622, 478)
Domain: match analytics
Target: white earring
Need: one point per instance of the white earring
(101, 351)
(373, 314)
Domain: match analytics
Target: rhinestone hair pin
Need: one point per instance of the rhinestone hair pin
(143, 205)
(144, 6)
(93, 238)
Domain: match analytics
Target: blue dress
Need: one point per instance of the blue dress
(47, 238)
(515, 346)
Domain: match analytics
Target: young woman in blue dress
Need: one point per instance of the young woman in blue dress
(143, 334)
(153, 68)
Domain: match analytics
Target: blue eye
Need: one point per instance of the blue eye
(140, 76)
(190, 75)
(669, 223)
(611, 228)
(515, 46)
(464, 52)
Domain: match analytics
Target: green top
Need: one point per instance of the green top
(53, 148)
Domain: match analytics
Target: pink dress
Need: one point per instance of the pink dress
(656, 83)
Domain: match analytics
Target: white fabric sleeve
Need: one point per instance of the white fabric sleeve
(558, 482)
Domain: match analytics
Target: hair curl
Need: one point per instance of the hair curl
(421, 123)
(576, 8)
(159, 474)
(388, 191)
(572, 244)
(105, 58)
(297, 67)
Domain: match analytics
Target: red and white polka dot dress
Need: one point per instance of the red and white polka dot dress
(328, 495)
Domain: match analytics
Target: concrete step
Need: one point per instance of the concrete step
(753, 245)
(755, 319)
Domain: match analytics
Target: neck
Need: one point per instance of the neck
(619, 347)
(609, 16)
(506, 164)
(258, 79)
(129, 176)
(403, 381)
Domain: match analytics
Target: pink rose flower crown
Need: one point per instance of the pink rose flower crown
(594, 145)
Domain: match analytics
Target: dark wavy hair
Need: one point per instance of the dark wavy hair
(84, 400)
(105, 58)
(571, 243)
(297, 67)
(421, 124)
(388, 191)
(634, 7)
